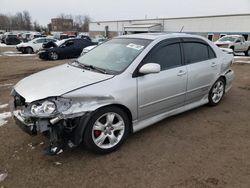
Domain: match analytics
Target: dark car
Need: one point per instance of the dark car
(11, 40)
(71, 48)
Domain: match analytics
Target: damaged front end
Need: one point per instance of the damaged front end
(47, 117)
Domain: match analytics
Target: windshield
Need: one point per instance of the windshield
(115, 55)
(231, 39)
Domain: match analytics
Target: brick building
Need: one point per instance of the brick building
(61, 24)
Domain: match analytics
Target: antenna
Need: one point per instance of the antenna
(182, 29)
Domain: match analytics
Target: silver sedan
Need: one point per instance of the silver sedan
(121, 87)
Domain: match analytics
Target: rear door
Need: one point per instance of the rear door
(38, 44)
(164, 91)
(202, 67)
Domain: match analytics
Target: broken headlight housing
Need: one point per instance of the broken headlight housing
(48, 108)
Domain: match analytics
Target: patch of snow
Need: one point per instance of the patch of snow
(3, 117)
(3, 176)
(3, 106)
(57, 163)
(5, 85)
(242, 62)
(11, 53)
(4, 45)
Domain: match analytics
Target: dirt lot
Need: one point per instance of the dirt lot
(203, 148)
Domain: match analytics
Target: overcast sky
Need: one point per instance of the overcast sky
(99, 10)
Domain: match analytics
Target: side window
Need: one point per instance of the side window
(195, 52)
(167, 56)
(211, 54)
(69, 43)
(40, 41)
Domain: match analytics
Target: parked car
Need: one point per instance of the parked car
(120, 87)
(235, 42)
(70, 48)
(11, 39)
(84, 37)
(87, 49)
(34, 45)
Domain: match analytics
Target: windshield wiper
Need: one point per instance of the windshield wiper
(90, 67)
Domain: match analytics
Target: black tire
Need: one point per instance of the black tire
(29, 50)
(89, 133)
(247, 53)
(53, 56)
(213, 100)
(232, 48)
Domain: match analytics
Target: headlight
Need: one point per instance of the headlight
(45, 109)
(48, 108)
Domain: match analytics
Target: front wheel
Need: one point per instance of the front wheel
(217, 92)
(107, 130)
(53, 56)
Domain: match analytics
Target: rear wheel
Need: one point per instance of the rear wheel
(247, 53)
(29, 50)
(107, 130)
(217, 92)
(53, 56)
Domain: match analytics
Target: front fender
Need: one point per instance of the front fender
(81, 106)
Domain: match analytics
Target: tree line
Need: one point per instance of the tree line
(23, 21)
(80, 22)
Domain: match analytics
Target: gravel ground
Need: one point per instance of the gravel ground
(203, 148)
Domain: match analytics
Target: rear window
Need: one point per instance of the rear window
(196, 52)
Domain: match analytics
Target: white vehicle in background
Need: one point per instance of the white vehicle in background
(87, 49)
(34, 45)
(235, 42)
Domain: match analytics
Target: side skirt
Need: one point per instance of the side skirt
(138, 125)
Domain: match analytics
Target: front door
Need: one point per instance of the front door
(164, 91)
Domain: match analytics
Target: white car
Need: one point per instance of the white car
(236, 43)
(34, 45)
(87, 49)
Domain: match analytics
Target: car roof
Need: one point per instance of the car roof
(232, 36)
(154, 36)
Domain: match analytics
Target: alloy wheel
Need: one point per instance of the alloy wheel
(217, 91)
(108, 130)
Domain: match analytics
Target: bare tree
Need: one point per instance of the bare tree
(27, 20)
(85, 27)
(80, 22)
(4, 22)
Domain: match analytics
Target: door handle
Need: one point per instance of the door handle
(213, 64)
(181, 73)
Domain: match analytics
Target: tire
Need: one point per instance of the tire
(217, 92)
(53, 56)
(247, 53)
(106, 130)
(232, 48)
(29, 50)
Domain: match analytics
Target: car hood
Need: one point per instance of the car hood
(56, 82)
(223, 42)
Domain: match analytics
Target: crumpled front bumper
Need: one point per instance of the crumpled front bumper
(28, 127)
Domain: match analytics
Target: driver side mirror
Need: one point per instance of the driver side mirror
(150, 68)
